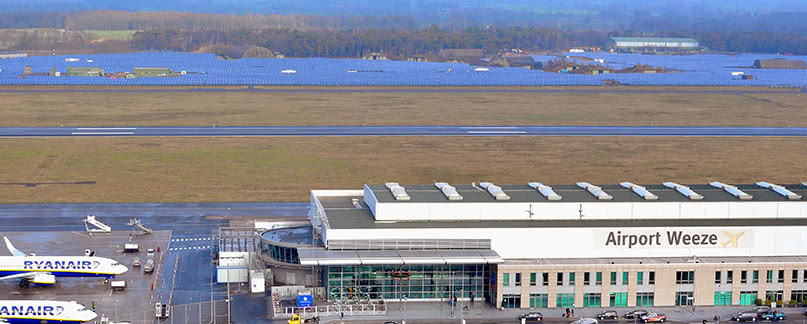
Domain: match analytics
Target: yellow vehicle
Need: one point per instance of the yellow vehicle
(295, 319)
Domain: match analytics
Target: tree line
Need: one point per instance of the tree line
(357, 42)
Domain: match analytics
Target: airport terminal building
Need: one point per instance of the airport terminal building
(538, 246)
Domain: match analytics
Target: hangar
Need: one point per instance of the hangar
(581, 245)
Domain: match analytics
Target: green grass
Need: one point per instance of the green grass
(111, 34)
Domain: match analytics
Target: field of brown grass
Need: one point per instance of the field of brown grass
(285, 169)
(772, 107)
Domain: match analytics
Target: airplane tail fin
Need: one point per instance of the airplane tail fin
(12, 249)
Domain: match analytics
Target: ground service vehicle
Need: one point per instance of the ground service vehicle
(608, 315)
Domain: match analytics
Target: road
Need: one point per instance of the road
(371, 89)
(314, 131)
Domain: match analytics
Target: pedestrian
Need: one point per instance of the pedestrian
(716, 319)
(704, 321)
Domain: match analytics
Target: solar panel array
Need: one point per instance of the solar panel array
(205, 69)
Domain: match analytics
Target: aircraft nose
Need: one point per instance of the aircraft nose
(88, 316)
(122, 269)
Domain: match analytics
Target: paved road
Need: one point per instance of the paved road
(277, 131)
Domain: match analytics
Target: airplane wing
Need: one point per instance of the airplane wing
(12, 249)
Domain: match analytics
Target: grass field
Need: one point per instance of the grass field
(285, 169)
(401, 108)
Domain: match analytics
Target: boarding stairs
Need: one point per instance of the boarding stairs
(97, 226)
(138, 228)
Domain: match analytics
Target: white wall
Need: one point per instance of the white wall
(587, 242)
(412, 211)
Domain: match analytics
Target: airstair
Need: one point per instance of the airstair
(97, 226)
(138, 228)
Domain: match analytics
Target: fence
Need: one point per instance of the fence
(336, 310)
(207, 312)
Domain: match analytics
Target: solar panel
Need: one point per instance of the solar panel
(684, 190)
(639, 190)
(545, 190)
(494, 191)
(780, 190)
(734, 191)
(595, 191)
(449, 191)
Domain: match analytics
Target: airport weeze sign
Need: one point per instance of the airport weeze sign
(673, 238)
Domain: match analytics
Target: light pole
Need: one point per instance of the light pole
(404, 308)
(116, 310)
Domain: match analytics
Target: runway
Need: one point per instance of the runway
(316, 131)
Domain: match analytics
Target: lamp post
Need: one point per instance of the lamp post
(116, 310)
(404, 308)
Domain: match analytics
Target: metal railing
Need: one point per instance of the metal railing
(206, 312)
(412, 245)
(336, 310)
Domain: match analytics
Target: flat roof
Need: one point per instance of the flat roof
(654, 39)
(573, 193)
(655, 261)
(342, 214)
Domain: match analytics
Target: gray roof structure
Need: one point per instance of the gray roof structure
(572, 193)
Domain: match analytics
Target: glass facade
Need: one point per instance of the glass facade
(511, 301)
(281, 253)
(565, 300)
(683, 298)
(722, 298)
(415, 281)
(644, 299)
(591, 299)
(748, 298)
(539, 300)
(800, 296)
(618, 300)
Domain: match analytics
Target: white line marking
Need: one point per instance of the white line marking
(102, 133)
(104, 128)
(496, 132)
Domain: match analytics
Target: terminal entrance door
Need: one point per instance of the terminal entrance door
(619, 300)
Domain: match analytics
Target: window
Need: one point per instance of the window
(518, 279)
(644, 299)
(539, 300)
(769, 276)
(780, 276)
(755, 276)
(511, 301)
(683, 298)
(640, 278)
(717, 277)
(565, 300)
(506, 280)
(613, 278)
(533, 279)
(774, 295)
(748, 298)
(591, 299)
(651, 278)
(729, 277)
(587, 278)
(800, 296)
(795, 276)
(684, 277)
(625, 276)
(722, 298)
(545, 277)
(598, 280)
(618, 300)
(571, 278)
(560, 278)
(804, 276)
(743, 277)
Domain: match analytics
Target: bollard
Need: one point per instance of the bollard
(152, 286)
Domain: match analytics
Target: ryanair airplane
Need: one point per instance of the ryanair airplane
(43, 311)
(43, 270)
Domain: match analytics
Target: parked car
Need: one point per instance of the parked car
(773, 316)
(608, 315)
(759, 310)
(750, 316)
(532, 316)
(636, 313)
(585, 321)
(654, 318)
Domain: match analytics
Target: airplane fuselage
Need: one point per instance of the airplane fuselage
(67, 266)
(43, 311)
